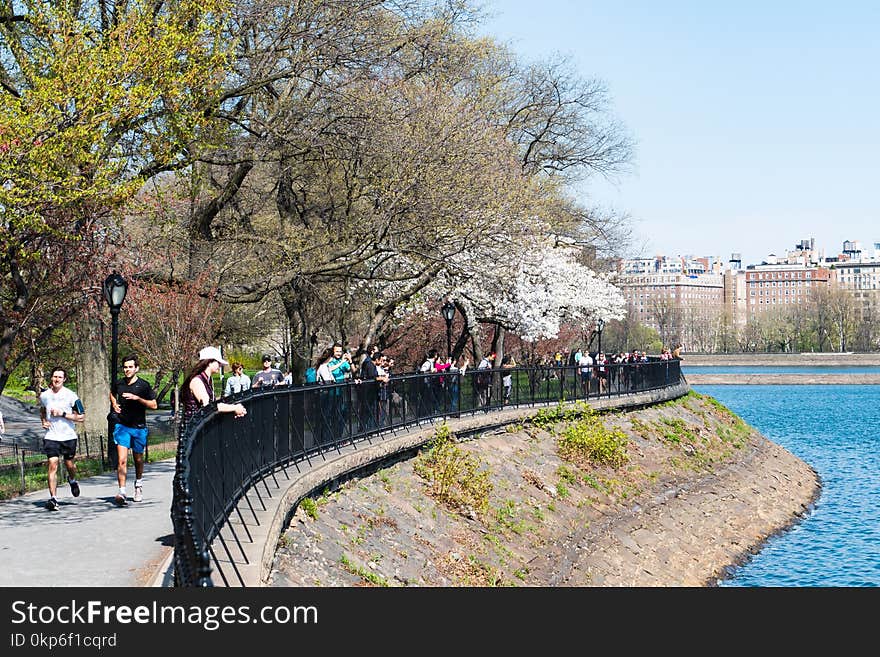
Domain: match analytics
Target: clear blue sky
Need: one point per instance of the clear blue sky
(757, 124)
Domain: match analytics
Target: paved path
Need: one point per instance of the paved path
(89, 541)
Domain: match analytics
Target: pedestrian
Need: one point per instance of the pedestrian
(197, 389)
(238, 382)
(326, 423)
(483, 380)
(507, 364)
(59, 409)
(340, 368)
(368, 392)
(268, 376)
(382, 377)
(602, 371)
(586, 369)
(130, 398)
(428, 395)
(340, 364)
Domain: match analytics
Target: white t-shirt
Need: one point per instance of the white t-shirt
(61, 428)
(586, 363)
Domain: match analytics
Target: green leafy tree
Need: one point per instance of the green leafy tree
(95, 98)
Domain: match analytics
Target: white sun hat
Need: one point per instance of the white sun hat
(212, 353)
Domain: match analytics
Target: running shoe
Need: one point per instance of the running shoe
(74, 488)
(52, 504)
(120, 500)
(138, 494)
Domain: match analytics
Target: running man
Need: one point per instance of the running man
(59, 409)
(133, 396)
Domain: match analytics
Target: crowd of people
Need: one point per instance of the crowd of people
(372, 370)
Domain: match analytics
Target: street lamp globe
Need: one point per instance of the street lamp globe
(448, 311)
(115, 289)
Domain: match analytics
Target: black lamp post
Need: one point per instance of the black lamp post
(601, 325)
(448, 312)
(115, 288)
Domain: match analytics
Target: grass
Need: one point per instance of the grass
(310, 507)
(363, 573)
(36, 478)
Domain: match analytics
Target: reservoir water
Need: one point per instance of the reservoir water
(835, 429)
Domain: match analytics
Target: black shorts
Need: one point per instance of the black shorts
(63, 448)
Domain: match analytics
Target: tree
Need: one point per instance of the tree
(94, 100)
(169, 324)
(667, 316)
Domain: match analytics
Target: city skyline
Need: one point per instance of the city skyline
(755, 124)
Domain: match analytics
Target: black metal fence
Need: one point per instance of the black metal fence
(221, 458)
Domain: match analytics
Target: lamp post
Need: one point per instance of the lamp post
(115, 288)
(601, 325)
(448, 312)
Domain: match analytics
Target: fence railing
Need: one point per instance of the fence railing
(221, 458)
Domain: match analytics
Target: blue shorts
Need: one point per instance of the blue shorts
(134, 439)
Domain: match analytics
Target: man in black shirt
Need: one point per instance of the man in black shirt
(130, 397)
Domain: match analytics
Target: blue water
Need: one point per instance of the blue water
(779, 369)
(835, 429)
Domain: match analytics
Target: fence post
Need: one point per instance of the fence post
(21, 469)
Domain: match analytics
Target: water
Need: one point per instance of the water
(779, 369)
(835, 429)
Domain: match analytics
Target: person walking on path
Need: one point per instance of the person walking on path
(268, 376)
(198, 390)
(341, 369)
(507, 364)
(59, 409)
(132, 397)
(238, 382)
(483, 380)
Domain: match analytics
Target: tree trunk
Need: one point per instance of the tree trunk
(93, 384)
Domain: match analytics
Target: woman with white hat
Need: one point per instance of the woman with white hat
(198, 391)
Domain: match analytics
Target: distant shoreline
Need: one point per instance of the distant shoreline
(791, 360)
(692, 363)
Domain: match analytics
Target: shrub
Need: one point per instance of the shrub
(455, 475)
(589, 439)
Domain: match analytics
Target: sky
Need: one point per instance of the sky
(756, 124)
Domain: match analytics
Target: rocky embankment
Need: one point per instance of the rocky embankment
(668, 495)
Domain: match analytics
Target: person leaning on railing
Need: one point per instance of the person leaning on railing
(197, 390)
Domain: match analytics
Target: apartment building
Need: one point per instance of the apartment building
(782, 285)
(862, 280)
(684, 297)
(675, 296)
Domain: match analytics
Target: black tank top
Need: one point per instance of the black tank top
(188, 399)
